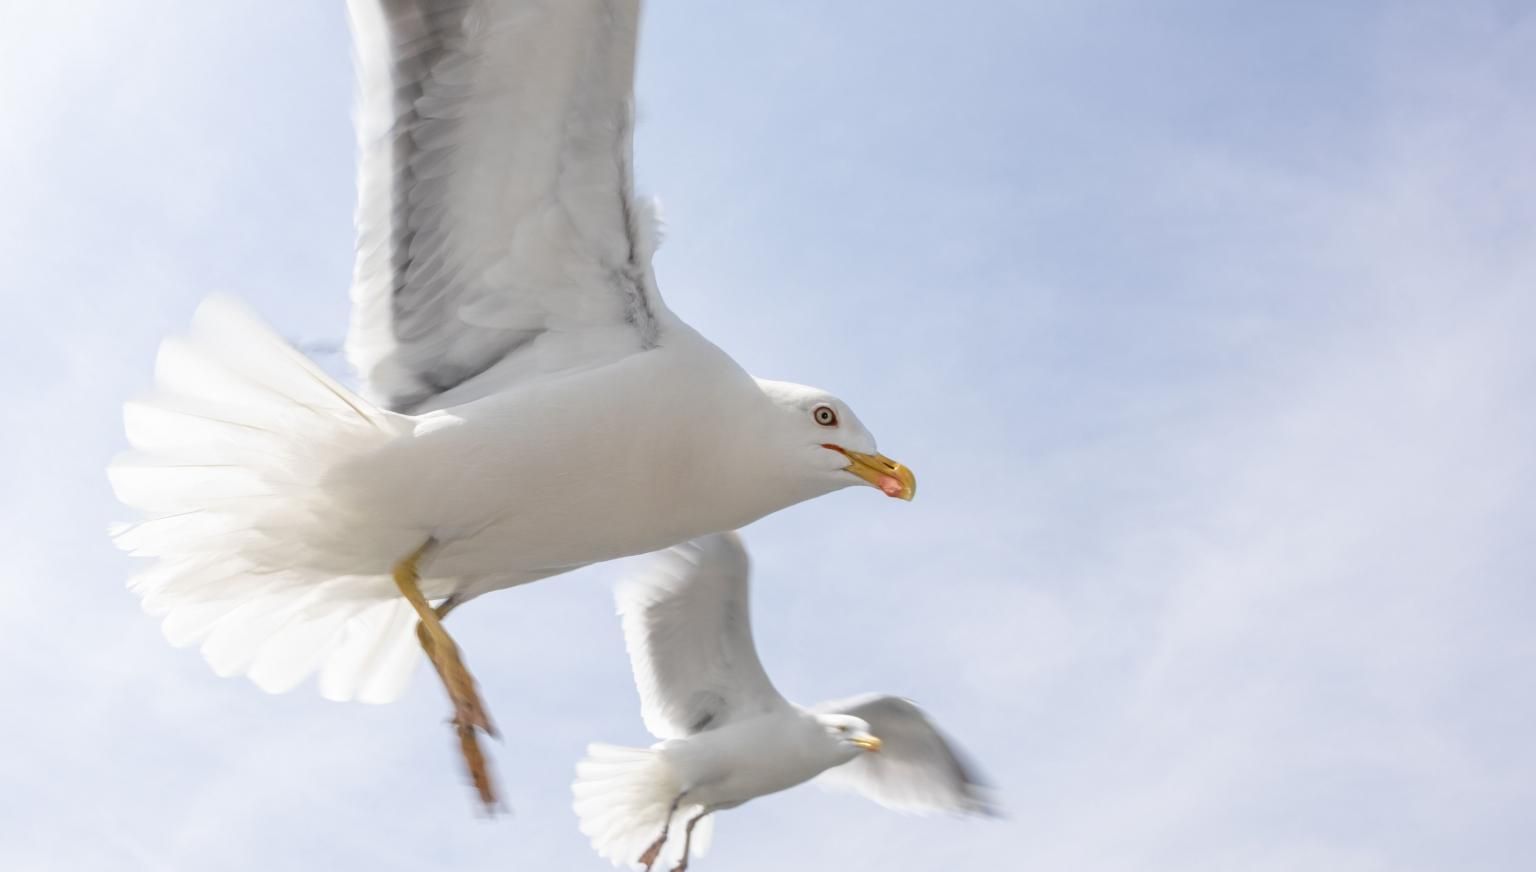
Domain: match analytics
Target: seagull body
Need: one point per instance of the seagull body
(604, 463)
(727, 735)
(788, 748)
(531, 404)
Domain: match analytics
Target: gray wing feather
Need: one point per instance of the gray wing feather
(918, 769)
(496, 214)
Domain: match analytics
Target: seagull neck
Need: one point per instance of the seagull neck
(755, 461)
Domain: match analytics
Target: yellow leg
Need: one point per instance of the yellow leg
(469, 712)
(424, 635)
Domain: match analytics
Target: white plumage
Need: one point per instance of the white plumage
(688, 630)
(237, 457)
(727, 734)
(499, 235)
(532, 407)
(623, 795)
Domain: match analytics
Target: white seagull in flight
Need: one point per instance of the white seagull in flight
(533, 406)
(728, 736)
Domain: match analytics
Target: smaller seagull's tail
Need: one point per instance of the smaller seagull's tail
(244, 470)
(622, 799)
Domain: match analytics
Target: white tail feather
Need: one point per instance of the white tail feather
(253, 554)
(622, 798)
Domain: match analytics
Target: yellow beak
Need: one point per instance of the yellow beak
(893, 479)
(869, 743)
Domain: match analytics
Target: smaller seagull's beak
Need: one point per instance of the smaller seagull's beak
(868, 743)
(893, 479)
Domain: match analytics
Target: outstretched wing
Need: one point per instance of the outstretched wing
(917, 769)
(499, 237)
(689, 635)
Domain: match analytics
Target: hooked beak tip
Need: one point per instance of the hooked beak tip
(890, 477)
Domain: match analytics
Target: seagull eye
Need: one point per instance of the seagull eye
(826, 416)
(842, 728)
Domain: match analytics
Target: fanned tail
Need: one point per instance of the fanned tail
(239, 468)
(622, 799)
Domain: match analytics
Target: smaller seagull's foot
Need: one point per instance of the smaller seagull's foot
(648, 859)
(682, 865)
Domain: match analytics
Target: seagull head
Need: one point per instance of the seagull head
(851, 734)
(828, 439)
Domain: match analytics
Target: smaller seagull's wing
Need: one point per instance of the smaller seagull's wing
(916, 770)
(689, 635)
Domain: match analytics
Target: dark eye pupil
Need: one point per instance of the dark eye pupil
(825, 415)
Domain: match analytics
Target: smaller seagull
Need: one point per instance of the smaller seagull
(728, 736)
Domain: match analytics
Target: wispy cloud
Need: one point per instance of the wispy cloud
(1208, 341)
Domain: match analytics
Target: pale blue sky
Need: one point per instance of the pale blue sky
(1207, 328)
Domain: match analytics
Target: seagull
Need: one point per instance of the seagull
(531, 406)
(727, 736)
